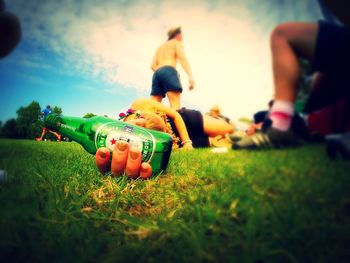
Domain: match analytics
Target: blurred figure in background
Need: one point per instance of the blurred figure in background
(215, 112)
(220, 140)
(327, 46)
(44, 113)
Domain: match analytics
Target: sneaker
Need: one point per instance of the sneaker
(236, 136)
(271, 138)
(220, 141)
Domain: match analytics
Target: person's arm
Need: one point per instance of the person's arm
(341, 9)
(147, 104)
(180, 54)
(154, 64)
(176, 117)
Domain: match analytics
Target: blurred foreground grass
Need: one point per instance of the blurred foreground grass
(265, 206)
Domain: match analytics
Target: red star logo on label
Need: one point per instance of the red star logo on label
(113, 141)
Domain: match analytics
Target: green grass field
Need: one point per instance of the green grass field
(264, 206)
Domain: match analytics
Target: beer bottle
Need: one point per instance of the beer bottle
(98, 131)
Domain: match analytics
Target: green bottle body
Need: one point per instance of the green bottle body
(96, 132)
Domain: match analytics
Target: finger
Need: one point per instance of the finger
(133, 164)
(145, 171)
(119, 158)
(102, 159)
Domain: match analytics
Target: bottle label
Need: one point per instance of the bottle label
(109, 133)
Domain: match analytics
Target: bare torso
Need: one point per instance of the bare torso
(166, 55)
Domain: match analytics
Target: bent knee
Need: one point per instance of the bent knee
(280, 31)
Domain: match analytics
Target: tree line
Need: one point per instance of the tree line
(28, 124)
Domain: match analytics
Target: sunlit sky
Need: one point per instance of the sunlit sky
(95, 56)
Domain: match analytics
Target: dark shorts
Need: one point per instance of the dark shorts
(332, 53)
(332, 58)
(194, 123)
(165, 79)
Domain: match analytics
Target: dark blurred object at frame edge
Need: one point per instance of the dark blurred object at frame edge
(10, 31)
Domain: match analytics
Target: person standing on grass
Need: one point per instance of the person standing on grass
(44, 113)
(166, 79)
(327, 45)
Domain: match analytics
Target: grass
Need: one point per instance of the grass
(265, 206)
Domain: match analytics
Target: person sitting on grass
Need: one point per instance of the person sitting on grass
(220, 140)
(325, 44)
(215, 112)
(43, 114)
(261, 121)
(189, 129)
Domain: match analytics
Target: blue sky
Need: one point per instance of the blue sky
(94, 56)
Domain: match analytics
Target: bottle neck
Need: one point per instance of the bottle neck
(67, 126)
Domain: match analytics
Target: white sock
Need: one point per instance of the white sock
(281, 114)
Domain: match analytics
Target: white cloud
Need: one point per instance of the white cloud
(229, 58)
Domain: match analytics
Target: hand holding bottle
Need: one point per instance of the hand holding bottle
(99, 134)
(125, 159)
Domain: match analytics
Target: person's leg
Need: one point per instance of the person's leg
(331, 62)
(174, 99)
(58, 136)
(170, 81)
(158, 98)
(42, 135)
(157, 92)
(289, 41)
(214, 127)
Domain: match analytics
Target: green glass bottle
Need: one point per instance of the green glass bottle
(96, 132)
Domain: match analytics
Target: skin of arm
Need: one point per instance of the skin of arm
(150, 105)
(154, 64)
(341, 9)
(180, 54)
